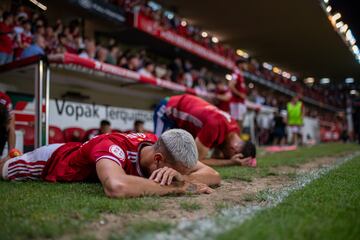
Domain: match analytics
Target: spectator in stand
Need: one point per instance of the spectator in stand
(279, 129)
(26, 36)
(37, 48)
(133, 63)
(90, 49)
(18, 29)
(139, 126)
(175, 67)
(161, 71)
(113, 55)
(6, 38)
(148, 69)
(255, 97)
(223, 96)
(60, 47)
(7, 124)
(59, 27)
(51, 40)
(122, 61)
(40, 29)
(295, 119)
(22, 12)
(201, 85)
(238, 90)
(101, 54)
(167, 75)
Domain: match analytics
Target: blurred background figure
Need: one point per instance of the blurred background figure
(356, 117)
(295, 119)
(6, 38)
(105, 127)
(7, 124)
(279, 129)
(139, 126)
(37, 48)
(238, 90)
(223, 95)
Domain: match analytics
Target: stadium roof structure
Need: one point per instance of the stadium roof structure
(295, 36)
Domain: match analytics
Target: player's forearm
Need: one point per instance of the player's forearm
(208, 176)
(239, 94)
(214, 162)
(131, 186)
(223, 97)
(234, 90)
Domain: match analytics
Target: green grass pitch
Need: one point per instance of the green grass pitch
(31, 210)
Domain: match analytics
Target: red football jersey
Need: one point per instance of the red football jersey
(6, 38)
(6, 101)
(223, 105)
(26, 38)
(239, 85)
(74, 162)
(203, 120)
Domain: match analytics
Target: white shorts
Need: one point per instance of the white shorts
(295, 129)
(30, 165)
(237, 110)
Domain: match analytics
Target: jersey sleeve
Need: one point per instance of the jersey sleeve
(109, 150)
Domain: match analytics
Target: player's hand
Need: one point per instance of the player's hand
(196, 188)
(166, 175)
(240, 160)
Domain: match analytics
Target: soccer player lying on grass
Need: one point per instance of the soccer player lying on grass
(127, 165)
(211, 128)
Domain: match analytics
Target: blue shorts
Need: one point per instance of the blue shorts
(161, 120)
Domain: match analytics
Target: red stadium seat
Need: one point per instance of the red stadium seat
(74, 134)
(55, 135)
(90, 133)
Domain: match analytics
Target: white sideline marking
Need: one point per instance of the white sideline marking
(209, 228)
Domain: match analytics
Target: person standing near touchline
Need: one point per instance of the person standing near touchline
(238, 90)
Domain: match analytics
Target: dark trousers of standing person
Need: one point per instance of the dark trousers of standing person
(3, 139)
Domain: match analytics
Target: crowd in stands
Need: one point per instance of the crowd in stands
(25, 33)
(168, 20)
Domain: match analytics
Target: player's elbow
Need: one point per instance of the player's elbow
(215, 177)
(116, 189)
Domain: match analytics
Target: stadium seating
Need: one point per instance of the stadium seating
(90, 133)
(74, 134)
(55, 135)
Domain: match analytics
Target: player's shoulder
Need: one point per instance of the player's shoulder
(141, 137)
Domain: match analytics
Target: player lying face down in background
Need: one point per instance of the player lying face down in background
(211, 128)
(127, 165)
